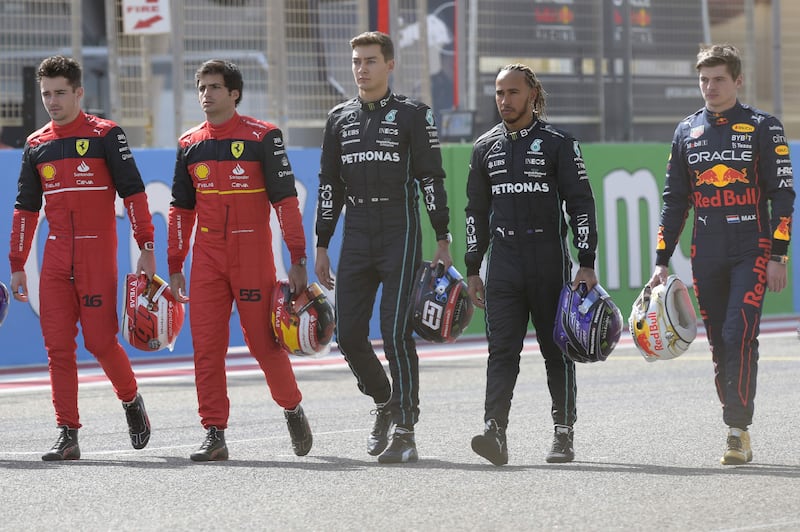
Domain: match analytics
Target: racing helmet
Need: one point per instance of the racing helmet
(442, 307)
(663, 322)
(151, 316)
(5, 301)
(588, 323)
(303, 324)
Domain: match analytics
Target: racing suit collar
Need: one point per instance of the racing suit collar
(522, 133)
(379, 104)
(69, 128)
(225, 127)
(723, 118)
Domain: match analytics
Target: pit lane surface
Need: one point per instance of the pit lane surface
(648, 442)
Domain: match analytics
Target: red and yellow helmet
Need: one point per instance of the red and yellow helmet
(303, 324)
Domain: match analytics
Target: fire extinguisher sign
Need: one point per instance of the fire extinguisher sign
(145, 17)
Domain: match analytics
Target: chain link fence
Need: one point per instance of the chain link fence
(615, 70)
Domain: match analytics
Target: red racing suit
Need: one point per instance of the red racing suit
(734, 169)
(79, 168)
(226, 177)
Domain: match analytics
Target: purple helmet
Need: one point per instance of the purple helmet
(442, 308)
(588, 325)
(5, 301)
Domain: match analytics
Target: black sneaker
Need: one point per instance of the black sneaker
(379, 437)
(138, 422)
(402, 450)
(299, 430)
(492, 444)
(213, 448)
(65, 447)
(562, 450)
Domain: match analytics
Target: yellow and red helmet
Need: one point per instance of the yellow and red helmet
(663, 322)
(151, 316)
(303, 324)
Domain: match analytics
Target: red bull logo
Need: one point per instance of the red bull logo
(643, 342)
(726, 198)
(720, 175)
(755, 296)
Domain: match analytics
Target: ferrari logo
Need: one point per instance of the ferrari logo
(82, 145)
(237, 148)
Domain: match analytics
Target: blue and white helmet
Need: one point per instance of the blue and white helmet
(588, 324)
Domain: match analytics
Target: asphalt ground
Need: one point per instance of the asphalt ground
(648, 442)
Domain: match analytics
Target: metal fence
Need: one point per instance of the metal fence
(615, 70)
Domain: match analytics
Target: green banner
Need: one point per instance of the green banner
(627, 180)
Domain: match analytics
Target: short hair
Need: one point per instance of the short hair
(230, 74)
(712, 55)
(375, 37)
(59, 66)
(533, 82)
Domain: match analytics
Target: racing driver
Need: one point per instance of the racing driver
(731, 163)
(229, 170)
(79, 163)
(521, 174)
(379, 149)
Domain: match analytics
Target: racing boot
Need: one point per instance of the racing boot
(213, 448)
(138, 422)
(492, 444)
(379, 437)
(737, 451)
(562, 450)
(299, 430)
(65, 447)
(403, 448)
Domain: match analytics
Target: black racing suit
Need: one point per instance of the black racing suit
(728, 166)
(375, 158)
(517, 185)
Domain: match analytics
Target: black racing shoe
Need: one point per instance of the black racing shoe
(403, 448)
(379, 437)
(299, 430)
(213, 448)
(138, 422)
(492, 444)
(65, 447)
(562, 450)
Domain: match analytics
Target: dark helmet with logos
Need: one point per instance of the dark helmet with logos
(442, 307)
(588, 323)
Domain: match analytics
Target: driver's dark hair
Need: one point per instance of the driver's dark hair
(534, 83)
(230, 73)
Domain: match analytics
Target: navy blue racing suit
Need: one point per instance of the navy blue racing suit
(734, 169)
(518, 183)
(376, 158)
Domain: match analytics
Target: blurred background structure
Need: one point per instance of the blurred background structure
(615, 70)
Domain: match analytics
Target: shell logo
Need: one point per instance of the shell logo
(783, 149)
(48, 171)
(743, 128)
(202, 171)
